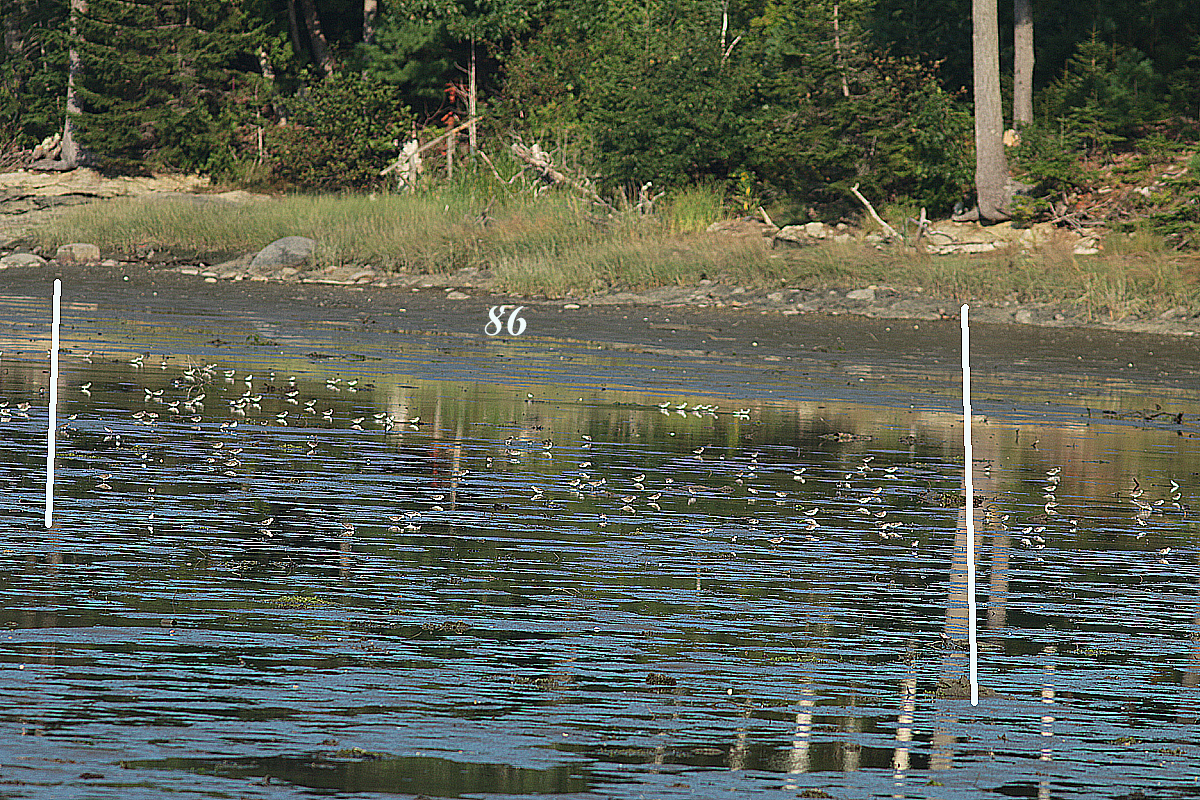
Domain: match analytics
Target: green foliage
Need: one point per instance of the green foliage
(897, 134)
(1178, 218)
(343, 131)
(159, 83)
(653, 93)
(412, 51)
(1049, 156)
(1103, 93)
(32, 74)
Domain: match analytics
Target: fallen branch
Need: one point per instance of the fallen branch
(427, 145)
(888, 229)
(541, 163)
(495, 171)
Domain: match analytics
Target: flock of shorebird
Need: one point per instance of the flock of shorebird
(853, 492)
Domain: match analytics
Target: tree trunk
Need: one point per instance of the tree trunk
(370, 11)
(471, 102)
(320, 47)
(1022, 62)
(71, 152)
(294, 28)
(991, 166)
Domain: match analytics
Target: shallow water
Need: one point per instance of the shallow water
(301, 559)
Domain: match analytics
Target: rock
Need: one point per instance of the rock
(1086, 247)
(457, 295)
(799, 235)
(791, 236)
(286, 252)
(88, 182)
(746, 226)
(235, 267)
(21, 260)
(1024, 316)
(78, 253)
(867, 294)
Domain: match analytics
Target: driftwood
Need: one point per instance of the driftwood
(552, 176)
(426, 146)
(891, 232)
(495, 171)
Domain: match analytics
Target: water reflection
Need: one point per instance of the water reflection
(279, 573)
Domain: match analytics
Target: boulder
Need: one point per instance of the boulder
(21, 260)
(78, 253)
(791, 236)
(286, 252)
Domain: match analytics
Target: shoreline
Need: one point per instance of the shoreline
(846, 350)
(30, 199)
(871, 301)
(876, 302)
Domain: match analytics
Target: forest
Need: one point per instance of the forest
(788, 102)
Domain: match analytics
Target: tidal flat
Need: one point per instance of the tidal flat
(339, 539)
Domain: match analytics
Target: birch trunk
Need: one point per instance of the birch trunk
(370, 12)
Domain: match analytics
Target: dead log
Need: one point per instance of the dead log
(888, 229)
(552, 175)
(424, 147)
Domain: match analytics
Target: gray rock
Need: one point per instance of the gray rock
(743, 227)
(21, 260)
(1024, 316)
(286, 252)
(78, 253)
(867, 294)
(815, 229)
(791, 236)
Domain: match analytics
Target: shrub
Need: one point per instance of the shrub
(1049, 156)
(343, 131)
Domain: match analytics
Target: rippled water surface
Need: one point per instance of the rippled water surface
(297, 562)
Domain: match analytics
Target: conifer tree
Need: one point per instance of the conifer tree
(157, 77)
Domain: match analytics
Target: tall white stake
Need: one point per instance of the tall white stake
(53, 408)
(971, 611)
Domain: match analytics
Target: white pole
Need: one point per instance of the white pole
(971, 612)
(53, 408)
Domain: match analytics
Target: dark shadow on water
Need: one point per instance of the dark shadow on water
(357, 770)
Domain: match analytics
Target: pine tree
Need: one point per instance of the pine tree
(158, 79)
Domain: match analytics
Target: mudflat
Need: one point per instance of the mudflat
(826, 340)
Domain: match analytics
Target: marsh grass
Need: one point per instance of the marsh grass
(557, 245)
(694, 208)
